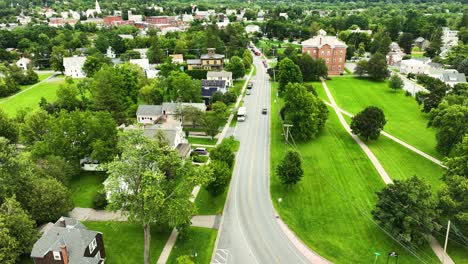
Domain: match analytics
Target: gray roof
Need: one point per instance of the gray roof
(194, 62)
(149, 110)
(74, 61)
(215, 74)
(453, 76)
(169, 134)
(213, 83)
(183, 149)
(319, 41)
(419, 39)
(212, 56)
(172, 107)
(70, 233)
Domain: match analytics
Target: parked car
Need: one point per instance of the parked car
(264, 111)
(265, 64)
(201, 151)
(250, 85)
(248, 92)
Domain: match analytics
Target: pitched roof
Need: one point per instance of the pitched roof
(213, 83)
(149, 110)
(172, 107)
(211, 56)
(194, 62)
(169, 134)
(66, 232)
(215, 74)
(208, 92)
(319, 41)
(453, 76)
(74, 61)
(177, 56)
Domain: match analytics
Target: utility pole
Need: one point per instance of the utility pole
(287, 126)
(446, 241)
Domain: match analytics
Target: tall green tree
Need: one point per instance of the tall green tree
(361, 68)
(237, 67)
(304, 111)
(9, 247)
(94, 63)
(149, 182)
(8, 127)
(221, 178)
(377, 67)
(290, 170)
(395, 82)
(34, 127)
(247, 59)
(408, 210)
(183, 89)
(368, 123)
(289, 72)
(56, 58)
(405, 41)
(435, 44)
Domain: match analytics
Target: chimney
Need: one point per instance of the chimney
(63, 250)
(211, 51)
(61, 222)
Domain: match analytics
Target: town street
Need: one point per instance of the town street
(249, 230)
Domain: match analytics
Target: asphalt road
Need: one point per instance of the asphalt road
(249, 232)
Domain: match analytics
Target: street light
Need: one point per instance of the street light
(377, 254)
(393, 255)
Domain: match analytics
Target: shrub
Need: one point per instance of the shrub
(100, 200)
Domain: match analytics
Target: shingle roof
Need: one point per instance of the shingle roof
(149, 110)
(211, 56)
(453, 76)
(319, 41)
(74, 61)
(213, 83)
(215, 74)
(172, 107)
(208, 92)
(75, 236)
(169, 134)
(194, 62)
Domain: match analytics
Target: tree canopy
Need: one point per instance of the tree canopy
(368, 123)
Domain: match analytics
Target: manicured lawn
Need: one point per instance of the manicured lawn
(31, 98)
(456, 248)
(202, 141)
(417, 54)
(404, 118)
(198, 240)
(124, 242)
(237, 87)
(330, 208)
(84, 187)
(208, 204)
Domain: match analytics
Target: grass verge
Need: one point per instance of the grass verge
(198, 240)
(208, 204)
(201, 141)
(84, 187)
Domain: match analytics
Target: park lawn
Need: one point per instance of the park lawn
(83, 187)
(404, 118)
(198, 240)
(208, 204)
(124, 242)
(456, 248)
(334, 221)
(201, 141)
(31, 98)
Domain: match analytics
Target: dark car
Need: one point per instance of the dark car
(201, 151)
(264, 111)
(250, 85)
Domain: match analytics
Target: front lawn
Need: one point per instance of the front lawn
(208, 204)
(31, 98)
(237, 87)
(201, 141)
(84, 187)
(124, 242)
(330, 208)
(198, 241)
(404, 118)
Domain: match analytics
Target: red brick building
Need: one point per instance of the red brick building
(160, 20)
(112, 20)
(329, 48)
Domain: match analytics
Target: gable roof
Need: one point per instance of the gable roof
(215, 74)
(213, 83)
(74, 61)
(194, 62)
(211, 56)
(172, 107)
(319, 41)
(66, 232)
(149, 110)
(208, 92)
(453, 76)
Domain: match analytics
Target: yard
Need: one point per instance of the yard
(208, 204)
(201, 140)
(280, 46)
(31, 98)
(330, 208)
(124, 242)
(84, 187)
(404, 118)
(199, 241)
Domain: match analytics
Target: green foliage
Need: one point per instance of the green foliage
(94, 63)
(407, 210)
(312, 70)
(247, 59)
(223, 153)
(377, 67)
(405, 41)
(221, 178)
(211, 123)
(130, 54)
(435, 43)
(368, 123)
(304, 111)
(8, 127)
(34, 127)
(8, 82)
(182, 88)
(395, 82)
(9, 247)
(289, 170)
(237, 67)
(153, 93)
(100, 200)
(289, 72)
(56, 58)
(197, 74)
(189, 115)
(56, 167)
(185, 259)
(361, 68)
(22, 77)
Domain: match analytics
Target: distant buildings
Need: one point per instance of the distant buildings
(421, 43)
(177, 58)
(329, 48)
(395, 55)
(74, 66)
(414, 66)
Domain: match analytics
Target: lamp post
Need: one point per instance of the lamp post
(392, 254)
(377, 254)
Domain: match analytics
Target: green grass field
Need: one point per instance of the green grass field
(124, 242)
(202, 141)
(198, 240)
(31, 98)
(84, 186)
(334, 221)
(237, 87)
(404, 119)
(208, 204)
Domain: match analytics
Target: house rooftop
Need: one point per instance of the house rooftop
(453, 76)
(74, 61)
(215, 74)
(319, 41)
(213, 83)
(149, 110)
(194, 62)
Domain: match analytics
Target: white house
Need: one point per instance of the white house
(177, 58)
(220, 75)
(449, 38)
(126, 36)
(358, 30)
(23, 63)
(142, 53)
(448, 76)
(110, 53)
(148, 114)
(143, 63)
(250, 29)
(414, 66)
(74, 66)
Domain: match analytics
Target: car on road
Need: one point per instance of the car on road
(264, 111)
(250, 85)
(201, 151)
(248, 92)
(265, 64)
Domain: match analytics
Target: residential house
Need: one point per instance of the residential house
(415, 66)
(145, 66)
(421, 43)
(112, 20)
(329, 48)
(60, 22)
(448, 76)
(449, 38)
(284, 15)
(209, 87)
(148, 114)
(136, 18)
(212, 60)
(395, 54)
(251, 28)
(69, 241)
(142, 52)
(220, 75)
(358, 30)
(152, 114)
(231, 12)
(110, 53)
(94, 12)
(193, 64)
(177, 58)
(260, 16)
(74, 66)
(126, 36)
(23, 63)
(23, 19)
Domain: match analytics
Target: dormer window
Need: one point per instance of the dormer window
(92, 245)
(57, 255)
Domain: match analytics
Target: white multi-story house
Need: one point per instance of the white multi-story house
(74, 66)
(220, 75)
(142, 53)
(414, 66)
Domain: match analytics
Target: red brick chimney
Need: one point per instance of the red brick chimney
(64, 251)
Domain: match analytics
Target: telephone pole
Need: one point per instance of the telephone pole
(446, 241)
(287, 126)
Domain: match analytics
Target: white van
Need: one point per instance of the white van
(241, 113)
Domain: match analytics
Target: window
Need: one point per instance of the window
(328, 60)
(328, 52)
(322, 52)
(92, 245)
(339, 59)
(341, 51)
(315, 52)
(57, 255)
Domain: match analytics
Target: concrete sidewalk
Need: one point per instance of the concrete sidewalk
(90, 214)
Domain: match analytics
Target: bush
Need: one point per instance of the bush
(100, 200)
(197, 74)
(407, 93)
(199, 159)
(229, 98)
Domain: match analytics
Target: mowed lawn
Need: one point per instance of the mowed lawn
(404, 118)
(124, 242)
(330, 208)
(199, 241)
(208, 204)
(31, 98)
(85, 186)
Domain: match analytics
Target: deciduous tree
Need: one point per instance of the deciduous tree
(368, 123)
(289, 72)
(237, 67)
(290, 170)
(395, 82)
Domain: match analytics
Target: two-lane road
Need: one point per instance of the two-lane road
(250, 232)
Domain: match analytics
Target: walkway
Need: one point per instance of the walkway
(436, 247)
(27, 89)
